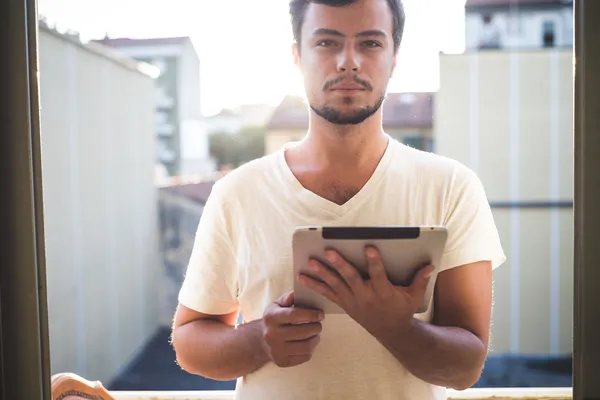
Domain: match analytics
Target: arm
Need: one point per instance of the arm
(451, 351)
(211, 345)
(205, 338)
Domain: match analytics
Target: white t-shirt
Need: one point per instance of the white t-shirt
(243, 256)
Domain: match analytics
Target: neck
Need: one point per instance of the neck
(349, 145)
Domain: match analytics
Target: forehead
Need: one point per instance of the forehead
(360, 16)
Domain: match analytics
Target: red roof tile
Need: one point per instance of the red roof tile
(197, 192)
(399, 110)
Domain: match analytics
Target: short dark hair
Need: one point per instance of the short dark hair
(298, 11)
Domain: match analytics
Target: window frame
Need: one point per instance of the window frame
(24, 341)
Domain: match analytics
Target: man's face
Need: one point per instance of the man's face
(347, 57)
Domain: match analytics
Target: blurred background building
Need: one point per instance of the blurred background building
(181, 137)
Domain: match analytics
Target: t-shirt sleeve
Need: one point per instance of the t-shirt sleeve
(472, 232)
(210, 283)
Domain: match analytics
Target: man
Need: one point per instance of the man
(346, 171)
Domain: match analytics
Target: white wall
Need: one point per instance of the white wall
(195, 152)
(189, 83)
(509, 116)
(100, 204)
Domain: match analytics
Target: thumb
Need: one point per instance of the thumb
(286, 300)
(419, 284)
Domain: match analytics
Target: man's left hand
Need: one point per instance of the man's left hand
(374, 303)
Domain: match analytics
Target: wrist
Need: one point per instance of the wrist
(263, 353)
(254, 332)
(407, 328)
(399, 329)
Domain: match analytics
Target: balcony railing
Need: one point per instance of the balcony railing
(470, 394)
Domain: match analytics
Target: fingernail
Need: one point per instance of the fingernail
(321, 316)
(429, 272)
(371, 253)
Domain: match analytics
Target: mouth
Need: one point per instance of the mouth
(348, 89)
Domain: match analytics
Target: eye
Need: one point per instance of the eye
(371, 44)
(326, 43)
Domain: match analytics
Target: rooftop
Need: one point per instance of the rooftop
(124, 42)
(399, 110)
(196, 192)
(508, 3)
(102, 51)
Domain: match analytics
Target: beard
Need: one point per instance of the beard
(354, 117)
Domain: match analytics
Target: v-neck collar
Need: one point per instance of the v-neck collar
(313, 200)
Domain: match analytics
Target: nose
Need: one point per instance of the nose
(348, 60)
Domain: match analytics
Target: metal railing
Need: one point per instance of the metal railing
(470, 394)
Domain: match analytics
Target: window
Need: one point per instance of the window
(548, 33)
(489, 36)
(22, 278)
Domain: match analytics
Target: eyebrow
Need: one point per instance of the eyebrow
(333, 32)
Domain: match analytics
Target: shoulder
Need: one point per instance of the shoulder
(434, 167)
(244, 181)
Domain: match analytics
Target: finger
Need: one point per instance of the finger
(293, 361)
(322, 288)
(329, 276)
(419, 284)
(379, 278)
(346, 270)
(301, 347)
(296, 315)
(293, 333)
(286, 300)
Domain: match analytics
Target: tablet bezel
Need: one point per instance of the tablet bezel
(404, 250)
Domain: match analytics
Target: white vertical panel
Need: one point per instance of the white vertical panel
(96, 229)
(474, 113)
(554, 195)
(108, 130)
(75, 194)
(515, 213)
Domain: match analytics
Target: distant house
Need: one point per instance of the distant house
(232, 120)
(406, 117)
(518, 24)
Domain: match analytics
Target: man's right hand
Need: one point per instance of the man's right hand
(290, 334)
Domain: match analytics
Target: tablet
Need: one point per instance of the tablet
(404, 250)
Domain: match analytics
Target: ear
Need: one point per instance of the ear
(296, 54)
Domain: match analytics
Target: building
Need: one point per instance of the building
(102, 243)
(182, 142)
(235, 119)
(506, 111)
(518, 24)
(226, 121)
(406, 117)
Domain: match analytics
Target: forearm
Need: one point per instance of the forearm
(217, 351)
(444, 356)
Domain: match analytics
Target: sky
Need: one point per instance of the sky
(244, 46)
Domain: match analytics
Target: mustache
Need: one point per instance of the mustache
(355, 78)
